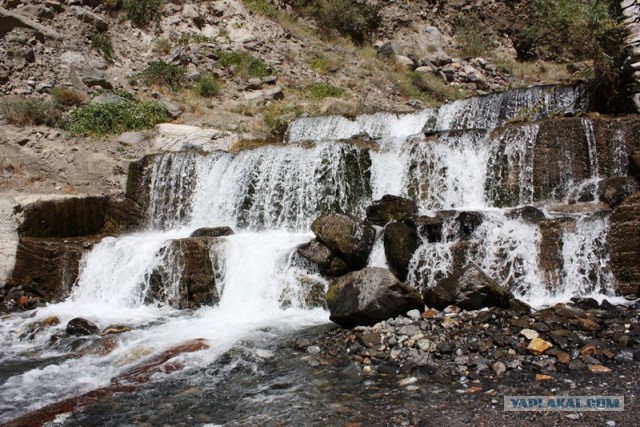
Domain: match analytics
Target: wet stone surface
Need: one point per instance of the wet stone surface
(331, 376)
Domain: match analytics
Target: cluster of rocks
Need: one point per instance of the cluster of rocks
(583, 336)
(365, 295)
(473, 74)
(631, 17)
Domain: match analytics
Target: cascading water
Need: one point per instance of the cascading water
(271, 195)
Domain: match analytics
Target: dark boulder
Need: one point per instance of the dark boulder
(468, 288)
(527, 213)
(429, 228)
(368, 296)
(391, 208)
(469, 222)
(400, 242)
(80, 326)
(350, 238)
(328, 263)
(189, 262)
(613, 191)
(212, 232)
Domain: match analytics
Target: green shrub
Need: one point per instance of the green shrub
(162, 45)
(324, 90)
(358, 20)
(574, 30)
(262, 7)
(159, 73)
(473, 36)
(102, 43)
(207, 86)
(30, 111)
(247, 64)
(142, 13)
(355, 19)
(68, 97)
(115, 118)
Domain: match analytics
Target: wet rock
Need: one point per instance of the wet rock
(327, 261)
(370, 340)
(624, 245)
(80, 326)
(400, 242)
(613, 191)
(186, 278)
(391, 208)
(468, 288)
(469, 222)
(527, 213)
(585, 303)
(115, 329)
(587, 325)
(212, 232)
(369, 296)
(429, 228)
(350, 238)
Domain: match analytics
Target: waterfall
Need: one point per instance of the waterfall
(471, 157)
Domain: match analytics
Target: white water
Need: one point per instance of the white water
(270, 196)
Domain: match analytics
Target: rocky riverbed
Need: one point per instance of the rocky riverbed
(447, 367)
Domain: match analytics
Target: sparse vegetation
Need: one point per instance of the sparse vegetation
(207, 86)
(356, 19)
(143, 13)
(163, 45)
(427, 88)
(247, 64)
(68, 97)
(324, 63)
(29, 111)
(474, 38)
(115, 118)
(160, 73)
(262, 7)
(188, 37)
(570, 30)
(324, 90)
(102, 43)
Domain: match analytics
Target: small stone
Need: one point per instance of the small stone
(423, 344)
(264, 354)
(587, 325)
(563, 357)
(573, 417)
(537, 346)
(589, 349)
(430, 314)
(407, 381)
(543, 377)
(413, 314)
(611, 423)
(172, 108)
(370, 340)
(529, 334)
(313, 349)
(625, 356)
(499, 368)
(598, 369)
(80, 326)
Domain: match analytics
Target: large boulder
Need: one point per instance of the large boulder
(350, 238)
(391, 208)
(369, 296)
(186, 277)
(468, 288)
(212, 232)
(400, 242)
(327, 261)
